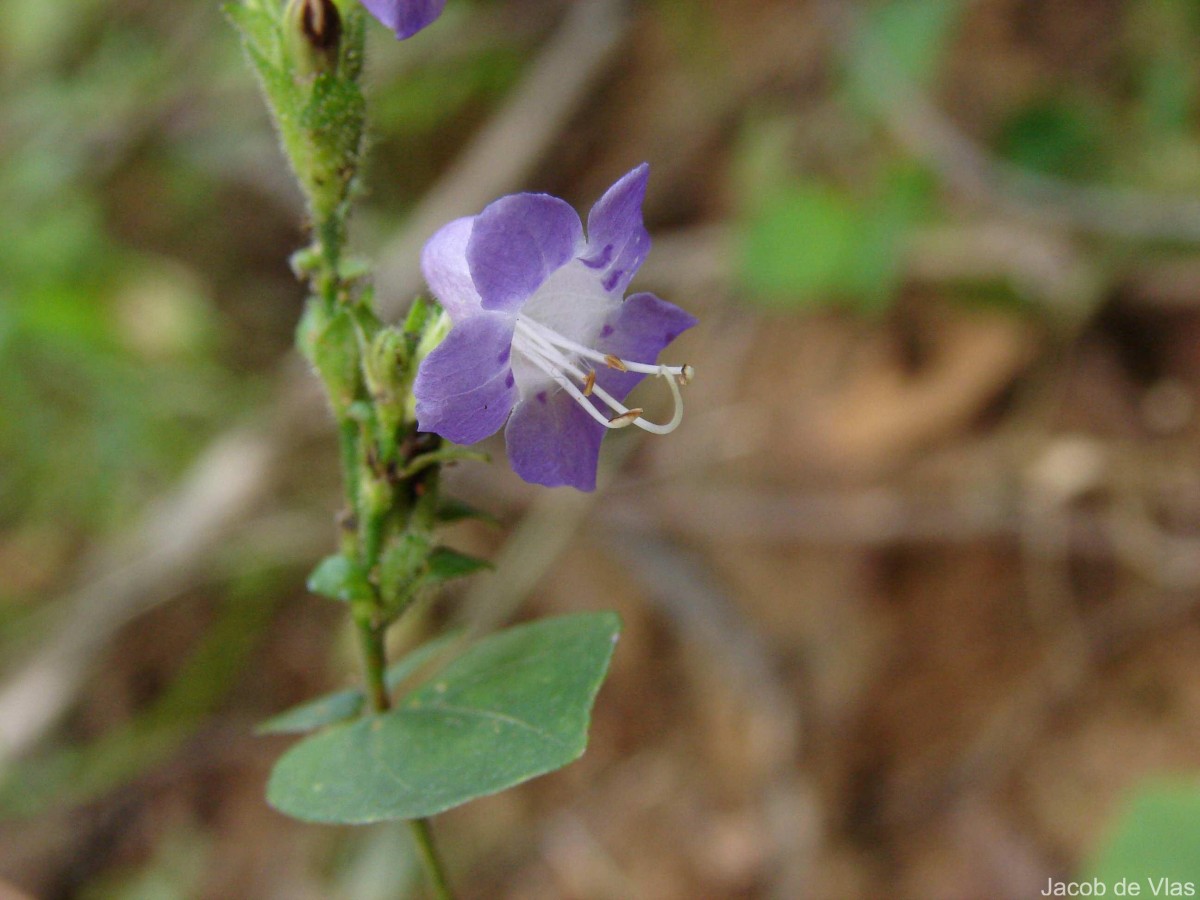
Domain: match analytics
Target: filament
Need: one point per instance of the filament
(544, 348)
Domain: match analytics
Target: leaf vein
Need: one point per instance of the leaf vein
(501, 717)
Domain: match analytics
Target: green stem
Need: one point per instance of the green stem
(437, 457)
(423, 835)
(370, 641)
(348, 437)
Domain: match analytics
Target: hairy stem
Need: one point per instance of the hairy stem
(370, 642)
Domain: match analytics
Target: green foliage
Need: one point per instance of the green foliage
(402, 567)
(452, 510)
(798, 242)
(1156, 837)
(339, 578)
(514, 706)
(328, 339)
(411, 565)
(810, 243)
(341, 706)
(1055, 137)
(332, 123)
(446, 564)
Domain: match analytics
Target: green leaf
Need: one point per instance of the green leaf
(339, 578)
(1157, 837)
(403, 566)
(1057, 138)
(418, 317)
(797, 243)
(514, 706)
(885, 222)
(340, 706)
(445, 564)
(261, 38)
(451, 510)
(328, 339)
(258, 28)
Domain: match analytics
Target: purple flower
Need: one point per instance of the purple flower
(542, 336)
(405, 17)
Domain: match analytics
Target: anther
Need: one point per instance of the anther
(686, 374)
(626, 418)
(589, 382)
(614, 362)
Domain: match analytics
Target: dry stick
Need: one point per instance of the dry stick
(234, 471)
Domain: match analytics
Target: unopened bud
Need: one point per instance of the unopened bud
(327, 340)
(384, 365)
(314, 32)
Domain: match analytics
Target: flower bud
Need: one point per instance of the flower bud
(384, 366)
(327, 340)
(314, 35)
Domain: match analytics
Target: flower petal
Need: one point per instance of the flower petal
(638, 331)
(405, 17)
(444, 264)
(553, 442)
(465, 387)
(516, 243)
(617, 240)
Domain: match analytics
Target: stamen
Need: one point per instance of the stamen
(541, 347)
(532, 327)
(615, 362)
(565, 384)
(626, 418)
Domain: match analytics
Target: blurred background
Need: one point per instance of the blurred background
(911, 600)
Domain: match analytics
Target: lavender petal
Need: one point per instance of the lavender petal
(444, 264)
(553, 442)
(465, 388)
(405, 17)
(617, 240)
(516, 243)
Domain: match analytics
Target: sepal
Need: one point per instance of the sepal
(452, 510)
(328, 340)
(339, 578)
